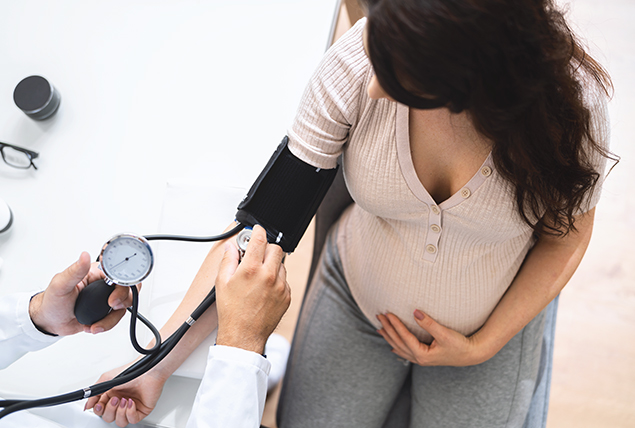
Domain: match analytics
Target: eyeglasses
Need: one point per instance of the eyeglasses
(18, 157)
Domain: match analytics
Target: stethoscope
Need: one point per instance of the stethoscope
(127, 259)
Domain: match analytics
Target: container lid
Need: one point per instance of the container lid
(32, 93)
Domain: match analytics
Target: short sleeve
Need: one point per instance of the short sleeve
(332, 101)
(597, 102)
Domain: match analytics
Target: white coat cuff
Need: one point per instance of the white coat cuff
(238, 355)
(25, 322)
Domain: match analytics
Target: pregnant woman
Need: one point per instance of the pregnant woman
(473, 139)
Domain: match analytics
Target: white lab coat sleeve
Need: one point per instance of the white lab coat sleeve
(18, 334)
(233, 390)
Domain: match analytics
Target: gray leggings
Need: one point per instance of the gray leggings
(342, 373)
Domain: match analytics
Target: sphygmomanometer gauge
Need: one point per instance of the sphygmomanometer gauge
(126, 259)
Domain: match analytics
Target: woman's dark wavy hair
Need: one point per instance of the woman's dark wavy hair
(519, 71)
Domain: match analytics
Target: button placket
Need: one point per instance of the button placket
(431, 248)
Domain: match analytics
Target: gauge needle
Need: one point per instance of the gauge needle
(124, 260)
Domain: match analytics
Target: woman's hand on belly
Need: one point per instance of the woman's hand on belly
(448, 347)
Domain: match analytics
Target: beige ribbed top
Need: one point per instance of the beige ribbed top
(401, 251)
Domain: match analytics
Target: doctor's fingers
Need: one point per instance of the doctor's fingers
(108, 322)
(273, 255)
(228, 265)
(282, 287)
(271, 272)
(255, 252)
(95, 273)
(121, 297)
(282, 273)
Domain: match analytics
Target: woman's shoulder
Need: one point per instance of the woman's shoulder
(351, 43)
(346, 57)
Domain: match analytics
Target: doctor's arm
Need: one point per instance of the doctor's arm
(251, 299)
(544, 273)
(31, 323)
(133, 401)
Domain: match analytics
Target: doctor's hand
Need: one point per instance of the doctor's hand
(251, 297)
(53, 309)
(448, 347)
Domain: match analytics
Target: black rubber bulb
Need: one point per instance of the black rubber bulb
(92, 302)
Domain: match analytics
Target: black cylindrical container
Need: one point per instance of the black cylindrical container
(36, 97)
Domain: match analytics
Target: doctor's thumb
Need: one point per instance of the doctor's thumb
(69, 278)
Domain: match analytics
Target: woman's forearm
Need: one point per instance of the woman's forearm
(544, 273)
(201, 286)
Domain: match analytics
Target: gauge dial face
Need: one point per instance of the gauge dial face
(127, 259)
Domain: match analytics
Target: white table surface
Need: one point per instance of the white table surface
(152, 91)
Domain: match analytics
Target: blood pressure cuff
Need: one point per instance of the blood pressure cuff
(285, 197)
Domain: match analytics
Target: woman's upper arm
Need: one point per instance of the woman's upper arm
(331, 102)
(597, 102)
(579, 237)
